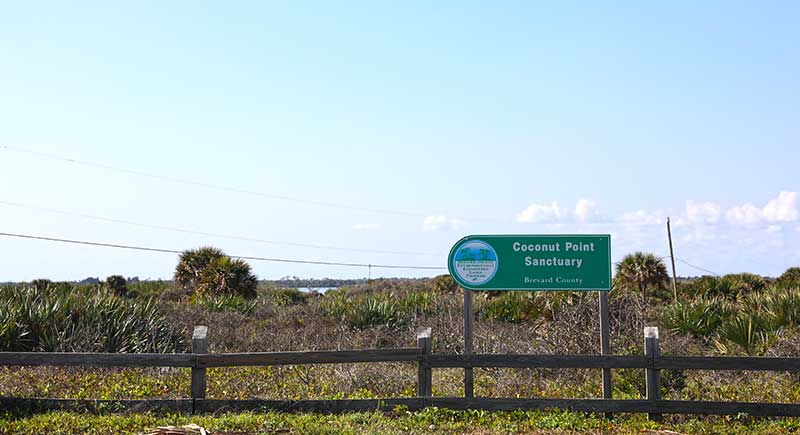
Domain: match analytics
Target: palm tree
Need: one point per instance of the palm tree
(192, 263)
(790, 278)
(119, 284)
(228, 276)
(639, 271)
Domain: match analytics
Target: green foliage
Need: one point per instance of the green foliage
(150, 289)
(118, 284)
(208, 271)
(228, 276)
(743, 283)
(390, 309)
(513, 307)
(705, 286)
(639, 271)
(730, 286)
(61, 319)
(41, 284)
(445, 284)
(700, 317)
(283, 296)
(398, 421)
(737, 312)
(521, 306)
(781, 306)
(745, 332)
(375, 310)
(790, 278)
(224, 302)
(192, 264)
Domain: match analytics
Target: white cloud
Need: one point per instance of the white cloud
(436, 222)
(366, 227)
(745, 214)
(780, 209)
(585, 210)
(537, 213)
(642, 217)
(783, 208)
(774, 228)
(702, 212)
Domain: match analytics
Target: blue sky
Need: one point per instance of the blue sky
(465, 117)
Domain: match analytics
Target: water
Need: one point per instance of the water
(317, 289)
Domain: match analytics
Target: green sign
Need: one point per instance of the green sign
(532, 262)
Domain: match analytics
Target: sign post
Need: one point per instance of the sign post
(532, 263)
(468, 373)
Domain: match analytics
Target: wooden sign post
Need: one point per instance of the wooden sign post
(532, 263)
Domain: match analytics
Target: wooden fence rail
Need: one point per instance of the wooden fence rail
(652, 362)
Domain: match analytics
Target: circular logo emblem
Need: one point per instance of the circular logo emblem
(475, 262)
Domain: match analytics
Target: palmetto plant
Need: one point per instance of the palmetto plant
(700, 317)
(228, 276)
(119, 284)
(87, 319)
(790, 278)
(640, 270)
(747, 332)
(193, 263)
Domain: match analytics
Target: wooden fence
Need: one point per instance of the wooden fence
(652, 362)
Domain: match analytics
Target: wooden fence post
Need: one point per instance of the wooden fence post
(199, 346)
(653, 376)
(468, 372)
(605, 347)
(424, 373)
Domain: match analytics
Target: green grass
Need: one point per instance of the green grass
(398, 421)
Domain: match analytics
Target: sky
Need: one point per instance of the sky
(383, 132)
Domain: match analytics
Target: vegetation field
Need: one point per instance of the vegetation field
(732, 315)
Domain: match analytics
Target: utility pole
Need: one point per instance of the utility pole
(672, 259)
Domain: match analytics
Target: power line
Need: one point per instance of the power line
(274, 196)
(692, 265)
(204, 233)
(279, 260)
(696, 267)
(213, 186)
(245, 257)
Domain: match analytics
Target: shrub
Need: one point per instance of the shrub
(151, 289)
(119, 284)
(705, 286)
(418, 302)
(700, 317)
(513, 307)
(41, 284)
(778, 307)
(228, 276)
(68, 319)
(374, 310)
(224, 302)
(365, 310)
(742, 283)
(193, 263)
(336, 303)
(730, 286)
(445, 284)
(283, 296)
(745, 332)
(790, 278)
